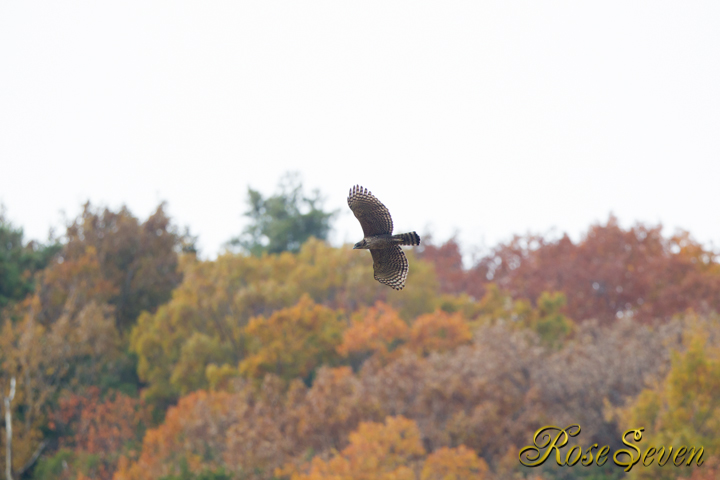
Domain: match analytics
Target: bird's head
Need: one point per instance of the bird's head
(361, 244)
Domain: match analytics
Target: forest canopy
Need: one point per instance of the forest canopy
(284, 359)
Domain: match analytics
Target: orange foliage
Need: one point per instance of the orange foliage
(392, 451)
(379, 329)
(190, 430)
(101, 427)
(459, 463)
(376, 451)
(438, 332)
(79, 279)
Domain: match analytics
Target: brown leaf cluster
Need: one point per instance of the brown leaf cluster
(611, 271)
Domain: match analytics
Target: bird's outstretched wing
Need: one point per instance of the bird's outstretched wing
(374, 217)
(390, 266)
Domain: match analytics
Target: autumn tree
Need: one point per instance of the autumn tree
(459, 463)
(549, 321)
(439, 332)
(292, 342)
(45, 358)
(393, 450)
(190, 431)
(139, 259)
(495, 306)
(377, 330)
(386, 451)
(611, 272)
(546, 317)
(95, 432)
(332, 408)
(683, 408)
(284, 221)
(79, 282)
(250, 432)
(448, 263)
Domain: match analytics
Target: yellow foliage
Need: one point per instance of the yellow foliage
(218, 377)
(198, 350)
(459, 463)
(292, 342)
(684, 408)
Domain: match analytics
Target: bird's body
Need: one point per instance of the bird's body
(390, 264)
(388, 240)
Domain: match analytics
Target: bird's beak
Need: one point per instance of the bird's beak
(355, 247)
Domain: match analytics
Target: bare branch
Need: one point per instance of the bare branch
(32, 460)
(8, 431)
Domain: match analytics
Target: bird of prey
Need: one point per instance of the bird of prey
(389, 262)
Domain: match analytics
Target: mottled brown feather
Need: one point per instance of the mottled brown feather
(390, 266)
(373, 216)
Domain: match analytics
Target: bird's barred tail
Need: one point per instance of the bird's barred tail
(411, 238)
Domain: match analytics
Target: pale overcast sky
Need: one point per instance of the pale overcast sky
(482, 118)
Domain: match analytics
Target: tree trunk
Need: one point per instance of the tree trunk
(8, 431)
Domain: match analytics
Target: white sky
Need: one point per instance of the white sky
(483, 118)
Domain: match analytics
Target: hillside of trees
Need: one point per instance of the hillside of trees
(131, 358)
